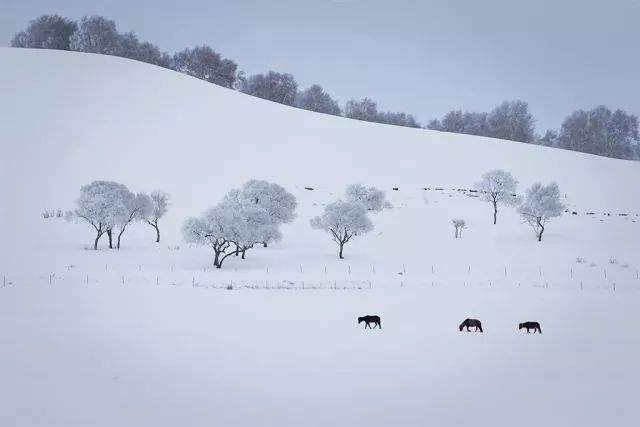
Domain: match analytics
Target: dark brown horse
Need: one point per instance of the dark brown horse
(530, 325)
(471, 323)
(368, 320)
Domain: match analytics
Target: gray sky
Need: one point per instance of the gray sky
(423, 57)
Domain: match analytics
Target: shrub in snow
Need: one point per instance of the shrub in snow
(371, 198)
(541, 204)
(458, 225)
(498, 187)
(343, 221)
(613, 260)
(159, 205)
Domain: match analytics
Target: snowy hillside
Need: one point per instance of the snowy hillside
(150, 334)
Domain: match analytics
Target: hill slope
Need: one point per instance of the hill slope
(150, 335)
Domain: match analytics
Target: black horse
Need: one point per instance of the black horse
(368, 320)
(530, 325)
(469, 323)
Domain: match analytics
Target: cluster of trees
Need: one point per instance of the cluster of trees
(109, 207)
(597, 131)
(245, 217)
(509, 120)
(540, 204)
(96, 34)
(345, 219)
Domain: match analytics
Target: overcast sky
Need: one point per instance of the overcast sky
(423, 57)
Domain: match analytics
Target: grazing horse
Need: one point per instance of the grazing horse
(471, 322)
(530, 325)
(368, 320)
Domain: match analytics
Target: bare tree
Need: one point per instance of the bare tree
(459, 225)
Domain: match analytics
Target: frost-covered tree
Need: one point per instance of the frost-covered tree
(206, 64)
(46, 32)
(136, 208)
(224, 228)
(213, 228)
(499, 188)
(159, 207)
(397, 119)
(365, 109)
(512, 120)
(343, 221)
(96, 34)
(371, 198)
(549, 139)
(277, 87)
(541, 204)
(458, 225)
(132, 48)
(100, 205)
(253, 224)
(601, 131)
(316, 99)
(279, 204)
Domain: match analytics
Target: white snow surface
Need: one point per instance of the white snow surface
(150, 335)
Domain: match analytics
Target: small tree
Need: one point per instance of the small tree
(458, 225)
(541, 203)
(498, 187)
(159, 207)
(371, 198)
(343, 221)
(137, 208)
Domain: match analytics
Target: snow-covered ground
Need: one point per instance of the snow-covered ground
(150, 334)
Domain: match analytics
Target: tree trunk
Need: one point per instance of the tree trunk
(119, 236)
(264, 244)
(95, 243)
(495, 213)
(243, 252)
(340, 253)
(157, 233)
(541, 231)
(216, 259)
(110, 236)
